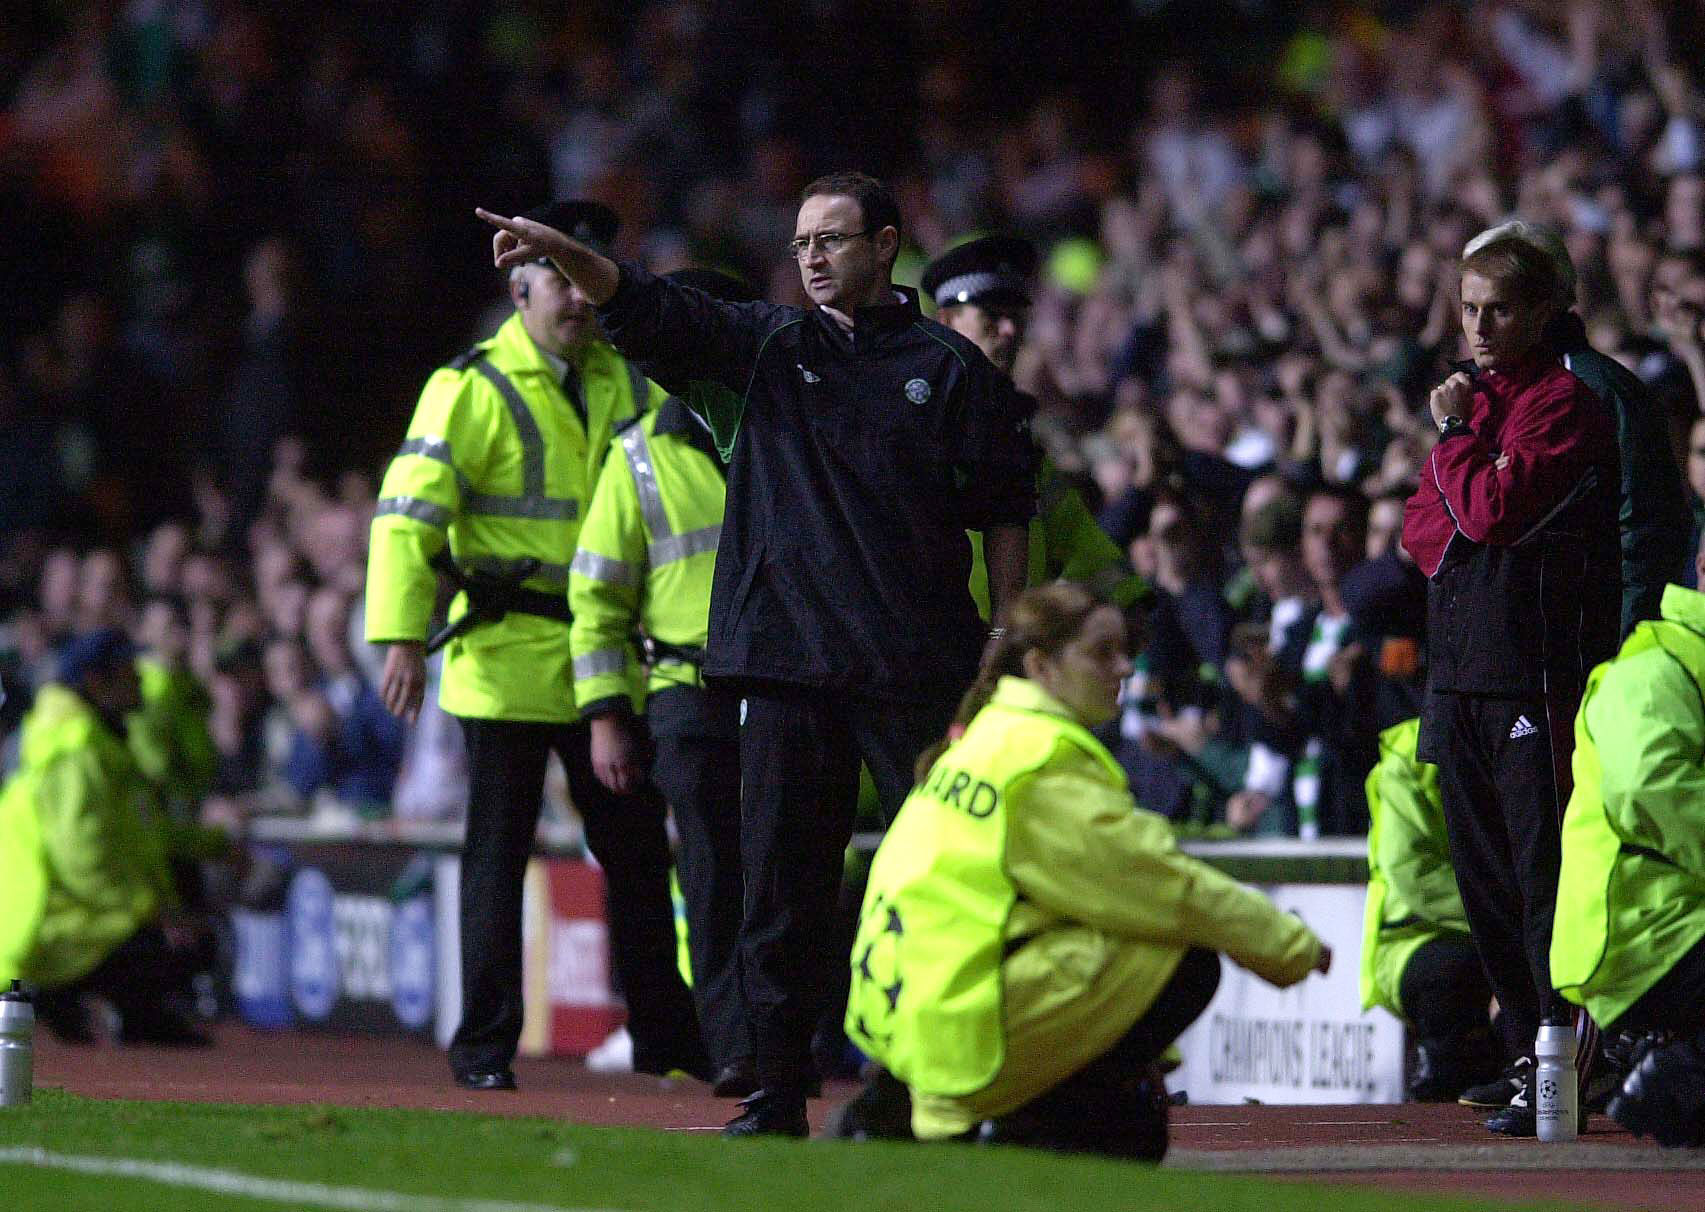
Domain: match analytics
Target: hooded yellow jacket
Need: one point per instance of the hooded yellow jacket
(1023, 913)
(82, 856)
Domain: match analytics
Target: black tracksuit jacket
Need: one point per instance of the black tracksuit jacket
(860, 461)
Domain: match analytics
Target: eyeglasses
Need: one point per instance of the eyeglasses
(830, 242)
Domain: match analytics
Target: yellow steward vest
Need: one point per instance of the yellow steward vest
(926, 992)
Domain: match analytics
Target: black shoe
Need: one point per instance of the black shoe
(735, 1081)
(1664, 1097)
(161, 1026)
(1517, 1119)
(1499, 1091)
(66, 1015)
(1617, 1056)
(486, 1079)
(1135, 1129)
(766, 1114)
(881, 1111)
(1445, 1068)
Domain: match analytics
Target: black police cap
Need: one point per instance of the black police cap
(716, 284)
(592, 223)
(989, 271)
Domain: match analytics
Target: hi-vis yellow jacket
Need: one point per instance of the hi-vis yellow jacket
(1020, 886)
(647, 556)
(500, 464)
(1066, 543)
(1631, 889)
(1412, 893)
(82, 855)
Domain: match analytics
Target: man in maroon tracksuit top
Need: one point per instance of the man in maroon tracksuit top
(1515, 525)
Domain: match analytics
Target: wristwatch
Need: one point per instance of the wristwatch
(1452, 425)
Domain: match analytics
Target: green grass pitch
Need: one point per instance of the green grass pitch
(390, 1161)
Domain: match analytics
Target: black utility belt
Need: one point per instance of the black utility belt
(655, 651)
(491, 597)
(524, 601)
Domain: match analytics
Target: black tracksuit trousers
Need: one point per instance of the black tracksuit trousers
(696, 734)
(506, 769)
(1504, 777)
(799, 756)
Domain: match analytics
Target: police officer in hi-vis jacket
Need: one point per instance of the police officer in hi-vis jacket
(490, 486)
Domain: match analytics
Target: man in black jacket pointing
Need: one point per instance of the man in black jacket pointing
(866, 441)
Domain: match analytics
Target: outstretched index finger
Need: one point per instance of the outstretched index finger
(513, 226)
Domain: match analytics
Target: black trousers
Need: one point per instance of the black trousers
(1504, 778)
(696, 765)
(1095, 1087)
(799, 757)
(142, 972)
(506, 773)
(1676, 1003)
(1444, 992)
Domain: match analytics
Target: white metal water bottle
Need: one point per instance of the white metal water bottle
(17, 1046)
(1556, 1088)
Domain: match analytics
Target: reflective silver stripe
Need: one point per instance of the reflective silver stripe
(541, 509)
(595, 567)
(416, 508)
(605, 660)
(532, 503)
(438, 450)
(680, 546)
(645, 483)
(532, 441)
(499, 566)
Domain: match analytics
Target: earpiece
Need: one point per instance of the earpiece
(524, 289)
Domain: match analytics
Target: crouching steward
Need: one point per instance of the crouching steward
(87, 902)
(1031, 941)
(1629, 942)
(1418, 958)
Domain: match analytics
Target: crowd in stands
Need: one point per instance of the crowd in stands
(1248, 288)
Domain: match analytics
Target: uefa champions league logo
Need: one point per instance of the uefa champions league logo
(313, 951)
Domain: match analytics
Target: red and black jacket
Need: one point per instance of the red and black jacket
(1523, 561)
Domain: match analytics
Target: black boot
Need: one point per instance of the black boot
(766, 1114)
(1129, 1122)
(1618, 1053)
(1446, 1068)
(881, 1111)
(1664, 1097)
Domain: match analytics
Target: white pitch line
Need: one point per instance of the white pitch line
(1340, 1123)
(231, 1182)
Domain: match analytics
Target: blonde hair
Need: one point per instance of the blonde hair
(1540, 238)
